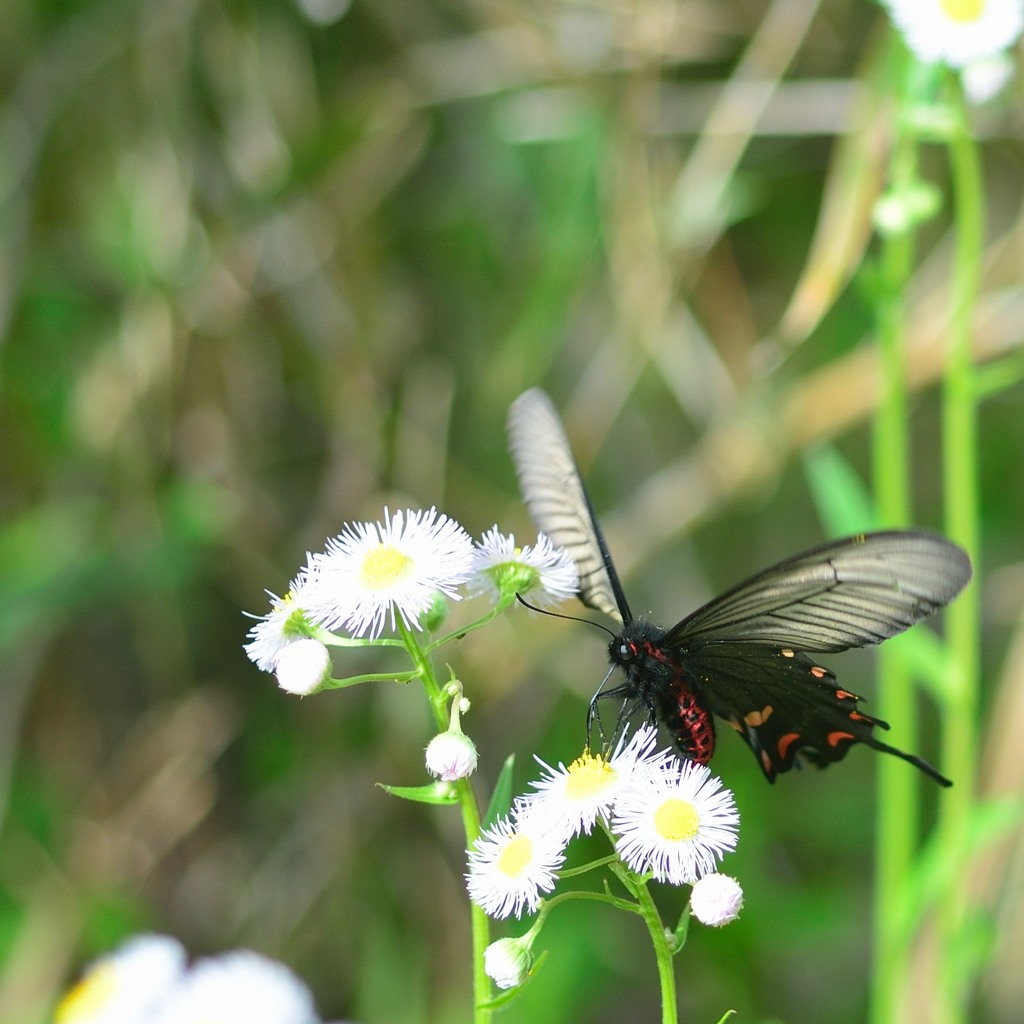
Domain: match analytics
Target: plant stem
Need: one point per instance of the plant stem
(961, 500)
(480, 927)
(896, 828)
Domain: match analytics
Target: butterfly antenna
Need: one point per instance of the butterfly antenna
(561, 615)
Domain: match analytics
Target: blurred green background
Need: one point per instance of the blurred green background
(269, 266)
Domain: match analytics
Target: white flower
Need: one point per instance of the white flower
(513, 862)
(716, 900)
(545, 572)
(957, 32)
(578, 795)
(303, 667)
(507, 962)
(126, 986)
(235, 987)
(285, 623)
(371, 570)
(675, 823)
(451, 755)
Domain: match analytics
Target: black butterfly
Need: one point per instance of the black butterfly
(741, 656)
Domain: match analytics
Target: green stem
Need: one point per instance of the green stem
(637, 888)
(896, 794)
(480, 926)
(960, 432)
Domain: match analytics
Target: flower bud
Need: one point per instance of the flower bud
(303, 667)
(716, 900)
(451, 755)
(507, 962)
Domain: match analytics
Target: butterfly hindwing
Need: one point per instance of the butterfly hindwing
(785, 706)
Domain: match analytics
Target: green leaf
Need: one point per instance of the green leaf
(501, 798)
(434, 793)
(840, 495)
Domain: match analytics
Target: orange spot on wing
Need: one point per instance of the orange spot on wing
(846, 695)
(835, 738)
(785, 742)
(818, 672)
(788, 652)
(756, 718)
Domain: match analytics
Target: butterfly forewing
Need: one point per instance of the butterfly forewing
(849, 593)
(558, 502)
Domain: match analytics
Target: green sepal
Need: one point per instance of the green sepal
(433, 793)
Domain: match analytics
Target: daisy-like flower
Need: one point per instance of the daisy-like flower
(285, 623)
(513, 862)
(371, 570)
(507, 962)
(578, 795)
(546, 572)
(676, 823)
(716, 900)
(239, 986)
(303, 667)
(957, 32)
(126, 986)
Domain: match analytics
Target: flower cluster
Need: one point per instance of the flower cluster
(148, 981)
(669, 819)
(374, 575)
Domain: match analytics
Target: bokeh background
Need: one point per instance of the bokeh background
(269, 265)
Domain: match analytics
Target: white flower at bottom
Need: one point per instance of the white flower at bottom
(957, 31)
(303, 667)
(716, 900)
(676, 823)
(507, 962)
(370, 571)
(126, 986)
(235, 987)
(513, 862)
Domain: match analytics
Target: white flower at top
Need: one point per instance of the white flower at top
(544, 572)
(578, 795)
(676, 823)
(238, 986)
(716, 900)
(126, 986)
(957, 32)
(370, 571)
(513, 862)
(285, 623)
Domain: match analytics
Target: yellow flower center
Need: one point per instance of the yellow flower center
(86, 999)
(963, 10)
(516, 856)
(588, 776)
(676, 820)
(383, 567)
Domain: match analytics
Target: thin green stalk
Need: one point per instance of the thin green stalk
(960, 444)
(480, 927)
(897, 812)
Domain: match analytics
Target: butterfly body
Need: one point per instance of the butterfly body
(743, 656)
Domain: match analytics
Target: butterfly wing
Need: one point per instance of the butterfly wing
(785, 705)
(558, 502)
(848, 593)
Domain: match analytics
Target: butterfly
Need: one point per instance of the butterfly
(743, 656)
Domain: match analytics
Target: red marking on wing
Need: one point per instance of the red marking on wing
(835, 738)
(785, 742)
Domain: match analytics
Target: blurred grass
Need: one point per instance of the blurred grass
(268, 266)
